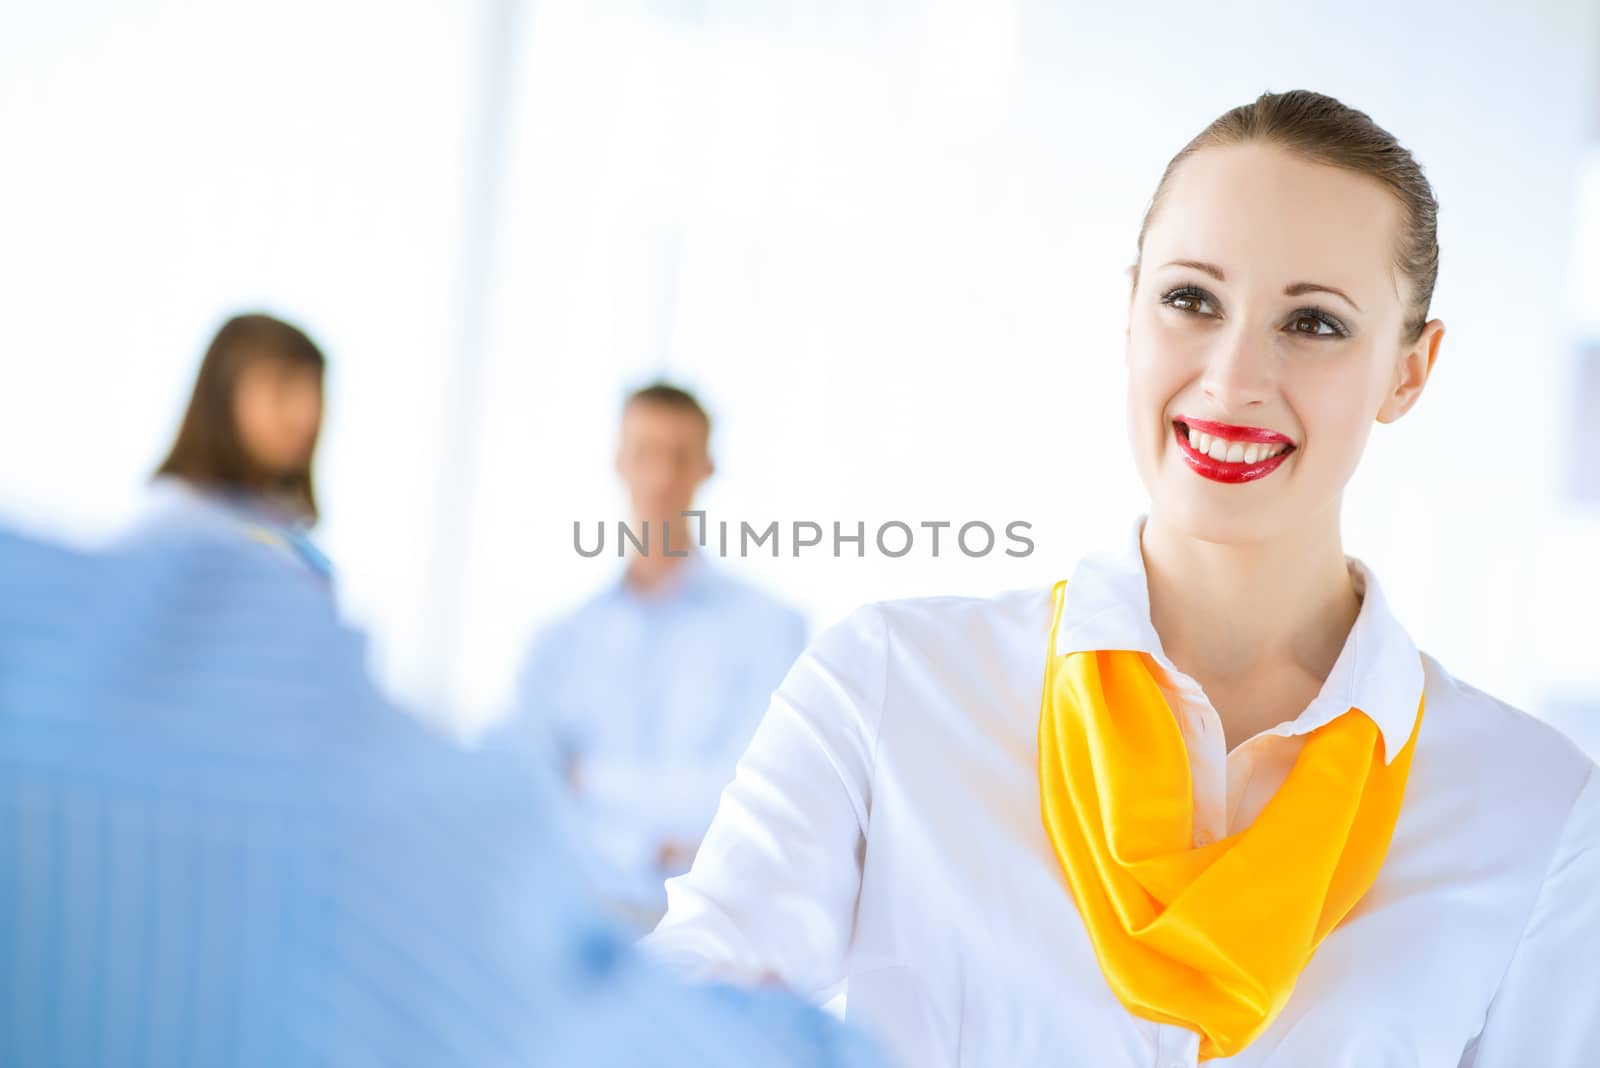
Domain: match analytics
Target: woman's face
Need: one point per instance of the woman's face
(278, 409)
(1264, 338)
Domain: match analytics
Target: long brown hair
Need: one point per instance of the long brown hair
(208, 451)
(1320, 129)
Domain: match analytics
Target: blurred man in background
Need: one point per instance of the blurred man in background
(220, 846)
(650, 691)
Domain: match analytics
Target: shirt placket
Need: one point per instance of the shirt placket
(1208, 759)
(1175, 1046)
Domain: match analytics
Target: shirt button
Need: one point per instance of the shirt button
(1204, 838)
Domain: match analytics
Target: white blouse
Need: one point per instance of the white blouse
(883, 838)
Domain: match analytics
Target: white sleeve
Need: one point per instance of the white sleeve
(773, 889)
(1547, 1009)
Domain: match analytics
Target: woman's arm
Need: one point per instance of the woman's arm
(773, 889)
(1547, 1009)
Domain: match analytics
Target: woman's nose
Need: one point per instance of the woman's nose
(1239, 371)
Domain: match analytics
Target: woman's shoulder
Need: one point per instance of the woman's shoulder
(999, 639)
(945, 620)
(1496, 742)
(174, 512)
(172, 507)
(954, 663)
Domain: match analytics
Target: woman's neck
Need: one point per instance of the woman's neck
(1266, 610)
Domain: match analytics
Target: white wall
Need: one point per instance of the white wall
(885, 241)
(168, 164)
(887, 244)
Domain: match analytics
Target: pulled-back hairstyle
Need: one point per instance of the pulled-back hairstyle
(1320, 129)
(209, 452)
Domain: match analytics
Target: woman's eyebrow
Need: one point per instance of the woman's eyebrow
(1200, 265)
(1296, 289)
(1301, 288)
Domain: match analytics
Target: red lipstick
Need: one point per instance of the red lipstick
(1222, 470)
(1236, 433)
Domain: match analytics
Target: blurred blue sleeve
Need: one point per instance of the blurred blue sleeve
(220, 846)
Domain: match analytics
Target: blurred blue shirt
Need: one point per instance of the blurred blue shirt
(650, 700)
(220, 846)
(173, 504)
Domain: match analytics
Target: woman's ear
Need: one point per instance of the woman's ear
(1411, 372)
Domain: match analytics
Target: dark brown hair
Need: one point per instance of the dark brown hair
(208, 451)
(669, 396)
(1322, 130)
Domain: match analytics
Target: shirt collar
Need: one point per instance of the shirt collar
(1107, 606)
(693, 580)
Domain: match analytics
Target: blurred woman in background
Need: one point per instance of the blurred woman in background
(245, 448)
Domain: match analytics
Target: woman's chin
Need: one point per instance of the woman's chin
(1214, 515)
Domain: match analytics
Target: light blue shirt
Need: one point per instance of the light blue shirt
(653, 698)
(220, 846)
(174, 504)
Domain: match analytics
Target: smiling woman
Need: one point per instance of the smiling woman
(1204, 799)
(1271, 204)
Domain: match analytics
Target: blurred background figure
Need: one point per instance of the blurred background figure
(650, 690)
(219, 846)
(244, 451)
(826, 216)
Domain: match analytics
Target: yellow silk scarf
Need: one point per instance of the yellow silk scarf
(1210, 938)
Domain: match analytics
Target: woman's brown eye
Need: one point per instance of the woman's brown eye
(1190, 301)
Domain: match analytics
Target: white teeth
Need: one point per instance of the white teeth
(1233, 452)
